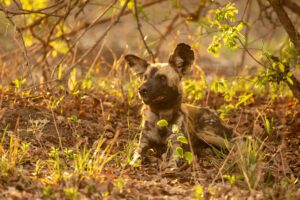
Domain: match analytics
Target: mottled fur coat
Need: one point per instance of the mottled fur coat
(161, 92)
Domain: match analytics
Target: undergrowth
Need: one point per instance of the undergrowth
(64, 170)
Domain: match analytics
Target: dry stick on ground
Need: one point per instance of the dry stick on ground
(141, 33)
(222, 167)
(56, 129)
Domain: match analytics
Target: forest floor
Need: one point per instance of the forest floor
(67, 146)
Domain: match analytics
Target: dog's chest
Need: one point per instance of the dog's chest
(159, 134)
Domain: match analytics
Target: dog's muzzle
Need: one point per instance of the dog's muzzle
(143, 91)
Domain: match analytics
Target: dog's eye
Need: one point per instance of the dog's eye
(162, 77)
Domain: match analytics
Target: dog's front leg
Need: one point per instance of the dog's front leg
(170, 156)
(173, 144)
(142, 148)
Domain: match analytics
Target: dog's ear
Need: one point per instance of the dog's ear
(137, 65)
(182, 58)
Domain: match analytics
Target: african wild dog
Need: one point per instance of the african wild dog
(161, 92)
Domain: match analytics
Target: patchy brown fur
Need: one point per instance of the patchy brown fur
(161, 92)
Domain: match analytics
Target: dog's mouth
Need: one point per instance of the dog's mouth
(148, 100)
(159, 98)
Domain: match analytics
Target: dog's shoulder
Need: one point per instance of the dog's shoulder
(190, 110)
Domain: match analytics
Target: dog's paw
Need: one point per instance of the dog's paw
(135, 158)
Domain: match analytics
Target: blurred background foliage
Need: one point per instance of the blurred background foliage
(250, 43)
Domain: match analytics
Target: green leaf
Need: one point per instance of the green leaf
(268, 126)
(59, 73)
(289, 80)
(243, 99)
(214, 47)
(199, 194)
(179, 152)
(281, 67)
(60, 46)
(182, 139)
(216, 87)
(188, 157)
(240, 26)
(231, 179)
(162, 123)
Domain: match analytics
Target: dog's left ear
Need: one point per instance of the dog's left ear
(137, 64)
(182, 58)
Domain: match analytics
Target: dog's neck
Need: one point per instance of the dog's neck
(170, 112)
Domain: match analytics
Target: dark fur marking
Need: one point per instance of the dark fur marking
(210, 121)
(186, 54)
(162, 98)
(152, 72)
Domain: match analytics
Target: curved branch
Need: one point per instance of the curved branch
(294, 7)
(286, 23)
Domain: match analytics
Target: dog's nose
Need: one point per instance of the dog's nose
(143, 91)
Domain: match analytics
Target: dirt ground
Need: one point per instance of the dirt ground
(100, 114)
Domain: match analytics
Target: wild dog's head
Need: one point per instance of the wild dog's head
(161, 81)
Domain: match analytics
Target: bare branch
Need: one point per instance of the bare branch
(84, 32)
(98, 40)
(21, 44)
(169, 30)
(286, 23)
(141, 33)
(294, 7)
(105, 20)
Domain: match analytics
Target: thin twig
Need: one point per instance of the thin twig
(247, 50)
(56, 128)
(98, 40)
(248, 10)
(169, 30)
(103, 21)
(83, 33)
(22, 45)
(141, 32)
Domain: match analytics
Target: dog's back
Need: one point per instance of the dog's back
(205, 124)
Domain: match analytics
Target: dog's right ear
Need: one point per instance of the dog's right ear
(137, 65)
(182, 58)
